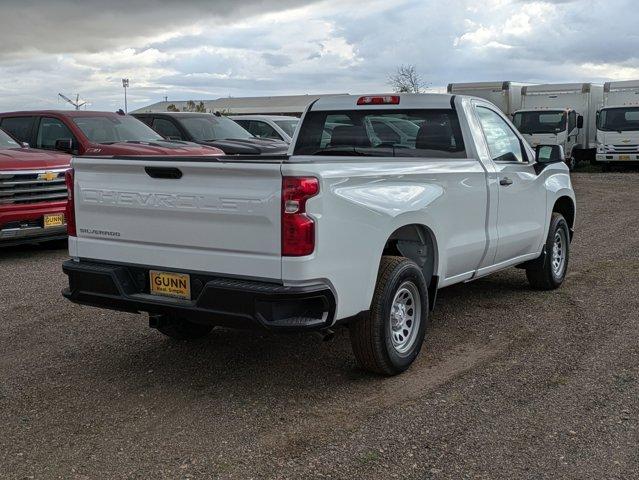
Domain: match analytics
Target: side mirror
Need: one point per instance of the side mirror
(64, 145)
(580, 121)
(547, 154)
(25, 144)
(174, 137)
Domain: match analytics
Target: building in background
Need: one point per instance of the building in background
(277, 105)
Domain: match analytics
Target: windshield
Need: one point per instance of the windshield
(540, 122)
(7, 142)
(288, 126)
(619, 119)
(210, 127)
(382, 133)
(117, 128)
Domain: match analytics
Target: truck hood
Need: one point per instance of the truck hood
(30, 159)
(249, 146)
(158, 147)
(616, 138)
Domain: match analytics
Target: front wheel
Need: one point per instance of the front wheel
(388, 339)
(549, 273)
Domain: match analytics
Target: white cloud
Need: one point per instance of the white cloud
(212, 48)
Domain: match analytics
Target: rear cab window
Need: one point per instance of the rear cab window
(382, 133)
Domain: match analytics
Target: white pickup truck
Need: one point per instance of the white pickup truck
(344, 230)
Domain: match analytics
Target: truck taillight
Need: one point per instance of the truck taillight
(70, 211)
(298, 229)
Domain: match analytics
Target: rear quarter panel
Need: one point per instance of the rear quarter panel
(362, 203)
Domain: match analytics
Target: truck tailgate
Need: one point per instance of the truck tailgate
(217, 217)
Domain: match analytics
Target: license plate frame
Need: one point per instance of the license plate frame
(170, 284)
(624, 158)
(53, 220)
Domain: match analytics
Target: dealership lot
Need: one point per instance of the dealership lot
(511, 383)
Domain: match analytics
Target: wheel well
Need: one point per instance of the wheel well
(417, 243)
(566, 207)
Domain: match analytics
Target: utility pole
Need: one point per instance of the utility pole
(125, 85)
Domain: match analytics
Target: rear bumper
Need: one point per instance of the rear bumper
(218, 301)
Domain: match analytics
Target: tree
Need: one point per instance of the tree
(172, 108)
(191, 106)
(406, 80)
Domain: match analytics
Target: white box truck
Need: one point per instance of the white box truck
(561, 114)
(618, 124)
(505, 94)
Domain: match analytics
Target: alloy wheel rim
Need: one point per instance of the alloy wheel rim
(405, 317)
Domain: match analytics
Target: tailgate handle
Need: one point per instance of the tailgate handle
(163, 172)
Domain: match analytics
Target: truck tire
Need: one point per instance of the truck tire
(550, 271)
(181, 329)
(389, 337)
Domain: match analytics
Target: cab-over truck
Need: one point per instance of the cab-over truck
(344, 230)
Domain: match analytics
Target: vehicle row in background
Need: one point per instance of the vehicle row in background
(33, 193)
(213, 130)
(591, 122)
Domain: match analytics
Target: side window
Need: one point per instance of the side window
(167, 129)
(19, 127)
(50, 130)
(572, 121)
(503, 144)
(264, 130)
(146, 119)
(245, 124)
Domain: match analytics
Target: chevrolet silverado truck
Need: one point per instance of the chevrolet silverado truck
(343, 230)
(94, 133)
(33, 194)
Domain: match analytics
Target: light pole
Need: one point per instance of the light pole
(125, 85)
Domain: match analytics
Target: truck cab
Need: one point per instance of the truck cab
(551, 127)
(561, 114)
(618, 124)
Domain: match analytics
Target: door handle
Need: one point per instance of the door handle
(505, 182)
(163, 172)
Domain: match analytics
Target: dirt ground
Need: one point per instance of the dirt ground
(511, 383)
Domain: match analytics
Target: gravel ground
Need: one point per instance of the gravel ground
(511, 383)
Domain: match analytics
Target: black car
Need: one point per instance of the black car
(211, 129)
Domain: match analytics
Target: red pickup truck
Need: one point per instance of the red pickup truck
(33, 194)
(94, 133)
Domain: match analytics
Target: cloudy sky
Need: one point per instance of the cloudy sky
(214, 48)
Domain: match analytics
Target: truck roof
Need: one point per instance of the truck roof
(68, 113)
(406, 100)
(558, 87)
(621, 85)
(498, 85)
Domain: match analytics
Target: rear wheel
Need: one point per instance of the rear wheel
(179, 328)
(549, 273)
(388, 339)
